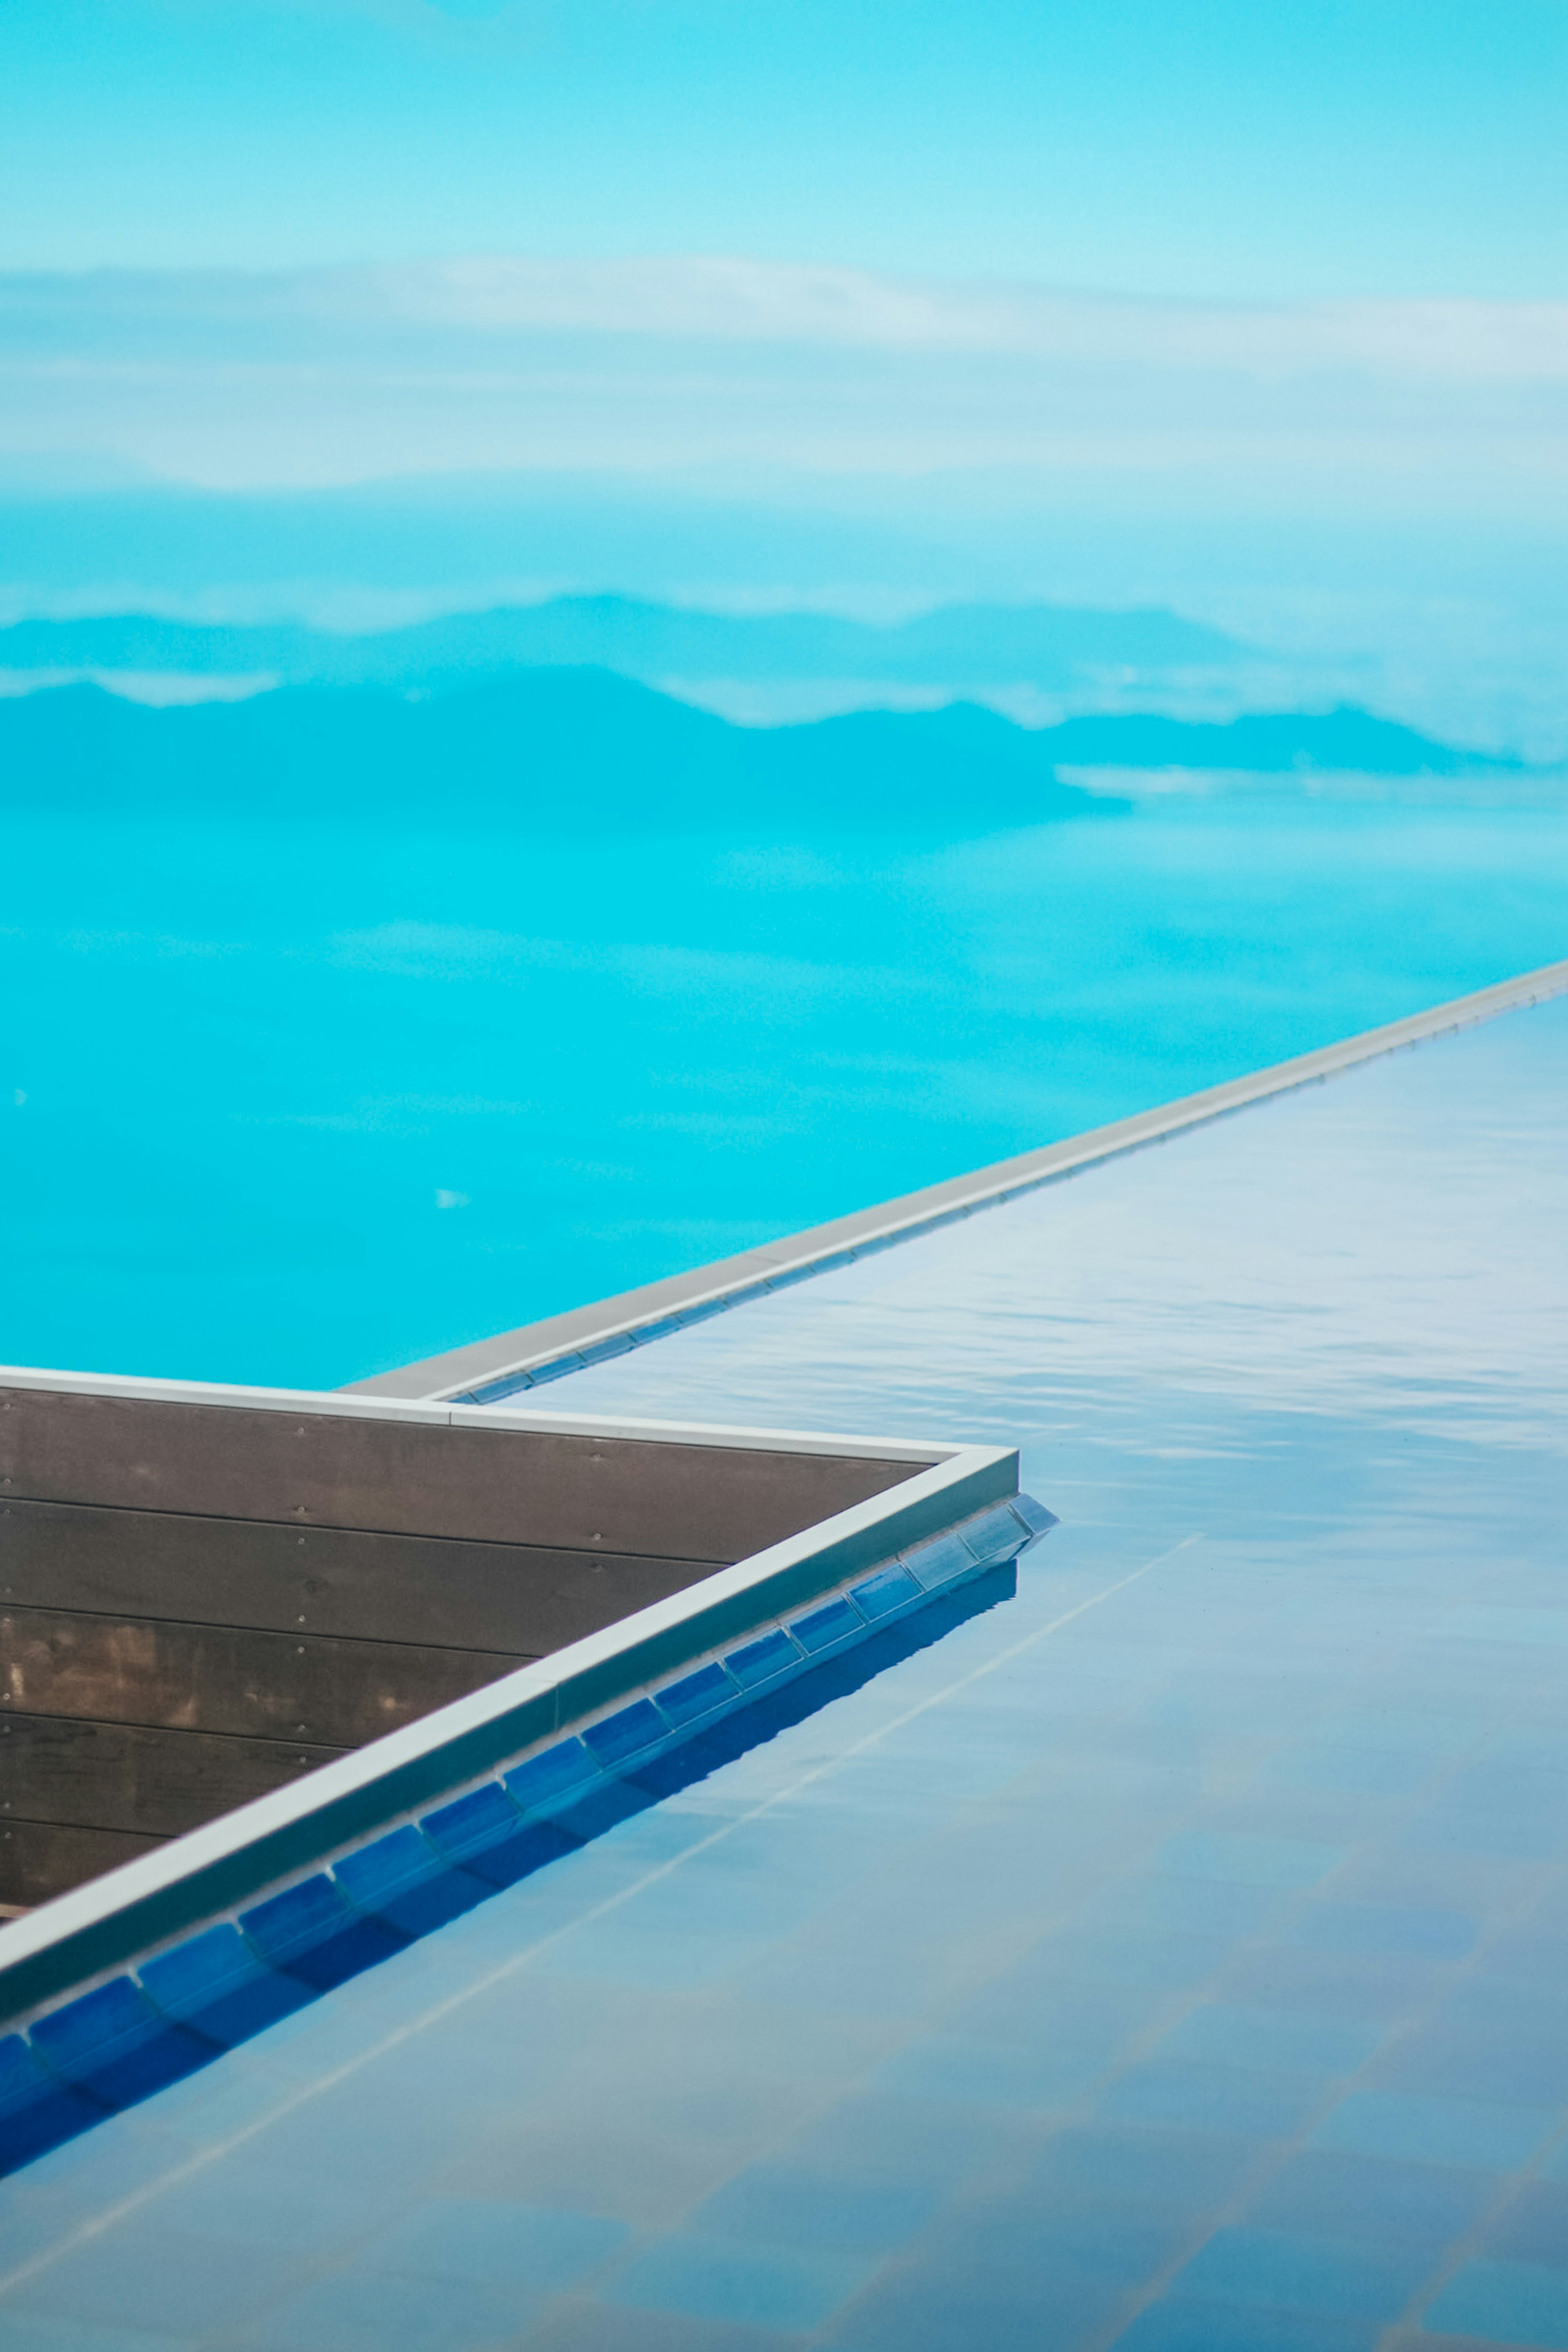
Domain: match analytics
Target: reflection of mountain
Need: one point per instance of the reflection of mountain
(566, 748)
(961, 645)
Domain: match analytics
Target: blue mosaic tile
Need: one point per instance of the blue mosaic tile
(890, 1588)
(695, 1695)
(495, 2241)
(313, 1933)
(956, 2307)
(817, 2211)
(471, 1824)
(993, 2075)
(403, 1880)
(114, 2046)
(142, 2274)
(1273, 2039)
(787, 1276)
(1180, 2324)
(1507, 2303)
(1473, 2133)
(1532, 2226)
(1213, 1906)
(1213, 2099)
(36, 2332)
(1385, 1928)
(625, 1733)
(1034, 1516)
(821, 1627)
(758, 1661)
(37, 2109)
(1283, 1861)
(551, 1774)
(936, 1563)
(1507, 2060)
(215, 1984)
(994, 1535)
(1325, 2275)
(355, 2310)
(1323, 2193)
(1179, 2170)
(703, 1311)
(603, 1352)
(487, 1836)
(755, 2286)
(497, 1392)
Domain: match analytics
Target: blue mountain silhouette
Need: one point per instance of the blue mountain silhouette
(572, 749)
(584, 747)
(966, 644)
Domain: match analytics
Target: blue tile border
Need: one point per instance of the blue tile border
(178, 2008)
(184, 1883)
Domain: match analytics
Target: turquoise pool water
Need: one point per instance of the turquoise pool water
(1169, 1958)
(291, 1104)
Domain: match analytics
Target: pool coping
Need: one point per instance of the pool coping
(515, 1362)
(86, 1936)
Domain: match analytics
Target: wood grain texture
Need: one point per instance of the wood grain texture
(110, 1775)
(215, 1678)
(518, 1600)
(686, 1502)
(39, 1859)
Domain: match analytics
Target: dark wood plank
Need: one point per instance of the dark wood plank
(493, 1485)
(40, 1859)
(110, 1775)
(328, 1580)
(218, 1678)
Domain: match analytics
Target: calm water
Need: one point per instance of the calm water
(1169, 1958)
(293, 1105)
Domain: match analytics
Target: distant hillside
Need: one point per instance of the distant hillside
(960, 645)
(1270, 743)
(574, 748)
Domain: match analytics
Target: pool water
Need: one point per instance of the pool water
(293, 1104)
(1169, 1958)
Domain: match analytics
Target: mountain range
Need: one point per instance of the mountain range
(958, 646)
(580, 748)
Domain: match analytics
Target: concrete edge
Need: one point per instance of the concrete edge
(515, 1361)
(89, 1933)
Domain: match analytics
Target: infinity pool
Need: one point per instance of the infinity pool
(1170, 1957)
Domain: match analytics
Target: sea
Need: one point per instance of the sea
(293, 1103)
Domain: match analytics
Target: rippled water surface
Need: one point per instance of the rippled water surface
(1170, 1958)
(293, 1103)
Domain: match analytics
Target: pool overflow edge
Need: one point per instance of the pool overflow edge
(151, 1969)
(489, 1371)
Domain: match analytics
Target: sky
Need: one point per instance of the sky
(943, 264)
(1210, 148)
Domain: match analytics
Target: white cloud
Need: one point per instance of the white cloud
(719, 368)
(740, 300)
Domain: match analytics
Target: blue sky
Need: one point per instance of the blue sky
(1060, 287)
(1248, 151)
